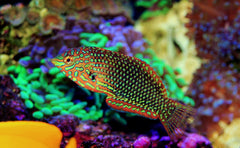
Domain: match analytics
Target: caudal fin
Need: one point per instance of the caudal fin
(177, 121)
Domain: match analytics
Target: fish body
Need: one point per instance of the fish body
(131, 84)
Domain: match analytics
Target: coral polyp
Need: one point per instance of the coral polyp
(214, 25)
(33, 16)
(15, 14)
(59, 6)
(217, 99)
(51, 21)
(215, 88)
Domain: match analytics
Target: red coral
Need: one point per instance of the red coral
(214, 24)
(215, 89)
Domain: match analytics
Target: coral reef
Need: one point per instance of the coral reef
(67, 124)
(33, 16)
(116, 36)
(43, 93)
(217, 99)
(45, 28)
(190, 140)
(214, 26)
(15, 14)
(215, 88)
(230, 137)
(51, 21)
(154, 7)
(5, 61)
(142, 142)
(97, 134)
(8, 44)
(11, 105)
(167, 37)
(99, 8)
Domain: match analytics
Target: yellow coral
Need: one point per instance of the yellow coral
(167, 35)
(28, 134)
(230, 137)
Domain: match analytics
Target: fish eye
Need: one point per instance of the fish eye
(68, 60)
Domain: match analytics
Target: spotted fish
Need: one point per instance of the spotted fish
(131, 85)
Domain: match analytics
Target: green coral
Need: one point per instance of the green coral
(149, 14)
(54, 99)
(154, 7)
(97, 40)
(93, 39)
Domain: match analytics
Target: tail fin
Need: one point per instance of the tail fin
(177, 121)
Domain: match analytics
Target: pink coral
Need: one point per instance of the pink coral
(142, 142)
(193, 141)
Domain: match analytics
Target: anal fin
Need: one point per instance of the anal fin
(117, 103)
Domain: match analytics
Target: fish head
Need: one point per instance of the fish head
(75, 64)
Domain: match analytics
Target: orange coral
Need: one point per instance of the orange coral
(22, 134)
(51, 21)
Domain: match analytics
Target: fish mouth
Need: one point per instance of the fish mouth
(57, 61)
(54, 61)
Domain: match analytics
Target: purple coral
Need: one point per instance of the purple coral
(190, 140)
(110, 141)
(67, 124)
(193, 141)
(11, 106)
(130, 40)
(142, 142)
